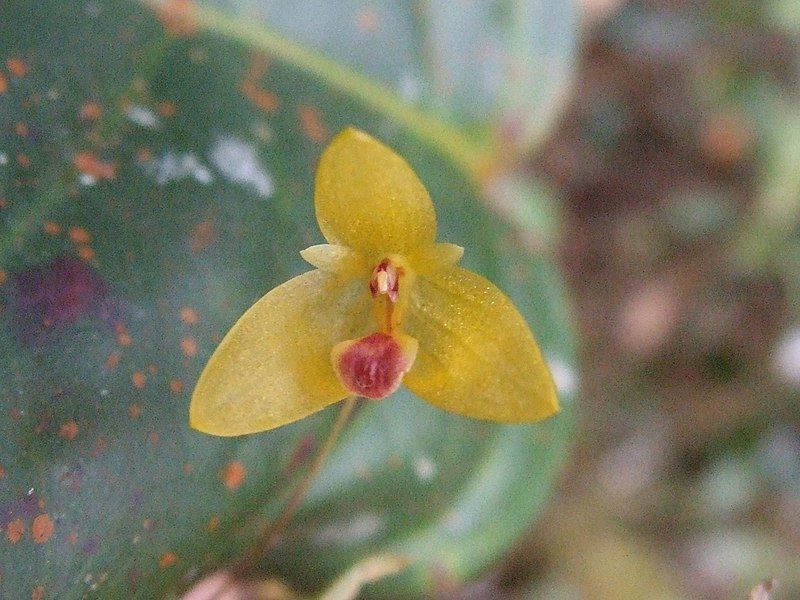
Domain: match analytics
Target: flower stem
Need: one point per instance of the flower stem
(276, 529)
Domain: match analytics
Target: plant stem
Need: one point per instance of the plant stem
(276, 529)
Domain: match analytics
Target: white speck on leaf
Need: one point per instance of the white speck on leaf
(143, 116)
(564, 376)
(409, 88)
(3, 159)
(425, 468)
(92, 9)
(262, 131)
(358, 529)
(238, 161)
(87, 180)
(177, 166)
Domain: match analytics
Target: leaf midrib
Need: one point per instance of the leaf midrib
(467, 155)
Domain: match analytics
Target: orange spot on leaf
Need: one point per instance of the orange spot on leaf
(202, 236)
(23, 161)
(15, 531)
(232, 475)
(257, 66)
(213, 523)
(100, 446)
(42, 528)
(123, 338)
(177, 17)
(134, 411)
(143, 155)
(3, 84)
(88, 163)
(175, 386)
(37, 593)
(189, 346)
(167, 560)
(21, 129)
(367, 21)
(91, 111)
(139, 380)
(2, 472)
(153, 438)
(86, 252)
(261, 98)
(51, 228)
(112, 362)
(72, 538)
(68, 430)
(311, 123)
(167, 109)
(3, 276)
(189, 315)
(79, 235)
(17, 67)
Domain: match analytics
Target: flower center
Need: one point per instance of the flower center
(389, 286)
(373, 366)
(386, 279)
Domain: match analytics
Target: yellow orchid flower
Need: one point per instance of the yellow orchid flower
(385, 305)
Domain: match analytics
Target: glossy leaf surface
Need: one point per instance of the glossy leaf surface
(490, 66)
(153, 187)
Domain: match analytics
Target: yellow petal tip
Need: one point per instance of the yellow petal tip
(369, 199)
(335, 259)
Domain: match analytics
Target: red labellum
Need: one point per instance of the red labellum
(373, 366)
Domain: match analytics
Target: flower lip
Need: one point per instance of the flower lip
(373, 366)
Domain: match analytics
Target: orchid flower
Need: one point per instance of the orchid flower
(386, 305)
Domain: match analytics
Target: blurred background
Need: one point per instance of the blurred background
(678, 163)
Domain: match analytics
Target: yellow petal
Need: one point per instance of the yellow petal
(336, 259)
(274, 367)
(368, 198)
(477, 356)
(430, 259)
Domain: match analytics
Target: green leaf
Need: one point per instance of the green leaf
(153, 187)
(502, 65)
